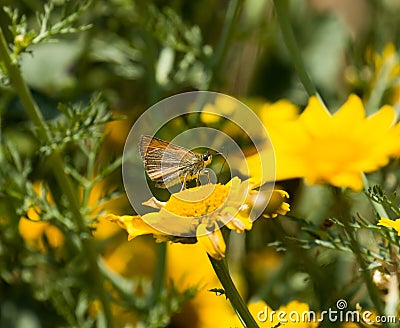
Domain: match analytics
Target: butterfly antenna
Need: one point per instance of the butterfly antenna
(222, 167)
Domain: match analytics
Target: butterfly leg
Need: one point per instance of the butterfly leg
(184, 182)
(206, 173)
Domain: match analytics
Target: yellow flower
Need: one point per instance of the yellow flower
(333, 148)
(382, 70)
(276, 205)
(134, 225)
(98, 207)
(281, 111)
(388, 60)
(395, 224)
(188, 266)
(223, 105)
(34, 231)
(263, 265)
(196, 214)
(216, 114)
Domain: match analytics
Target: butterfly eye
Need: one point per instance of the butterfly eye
(206, 156)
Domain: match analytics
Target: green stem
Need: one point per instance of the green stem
(371, 287)
(22, 89)
(57, 166)
(91, 161)
(365, 271)
(282, 13)
(231, 292)
(215, 63)
(224, 41)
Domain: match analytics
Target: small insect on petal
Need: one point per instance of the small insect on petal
(168, 164)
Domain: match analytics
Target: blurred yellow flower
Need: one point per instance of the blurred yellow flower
(99, 207)
(281, 111)
(222, 106)
(196, 214)
(395, 224)
(34, 231)
(332, 148)
(276, 205)
(387, 65)
(380, 75)
(117, 131)
(219, 114)
(262, 265)
(388, 61)
(188, 266)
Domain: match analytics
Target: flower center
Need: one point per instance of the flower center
(198, 201)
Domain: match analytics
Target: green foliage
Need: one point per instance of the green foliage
(78, 123)
(24, 36)
(390, 202)
(59, 267)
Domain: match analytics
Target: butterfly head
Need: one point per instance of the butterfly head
(207, 158)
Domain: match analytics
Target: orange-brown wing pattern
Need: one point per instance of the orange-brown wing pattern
(165, 163)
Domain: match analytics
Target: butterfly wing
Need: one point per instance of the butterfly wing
(164, 162)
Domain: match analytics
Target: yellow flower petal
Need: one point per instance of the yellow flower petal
(33, 233)
(212, 241)
(279, 112)
(134, 225)
(238, 221)
(169, 223)
(384, 118)
(198, 201)
(395, 224)
(351, 111)
(33, 213)
(334, 149)
(276, 204)
(316, 117)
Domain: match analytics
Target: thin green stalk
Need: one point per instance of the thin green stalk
(380, 210)
(282, 13)
(371, 287)
(378, 90)
(57, 166)
(91, 161)
(231, 292)
(224, 41)
(358, 253)
(153, 88)
(215, 64)
(22, 89)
